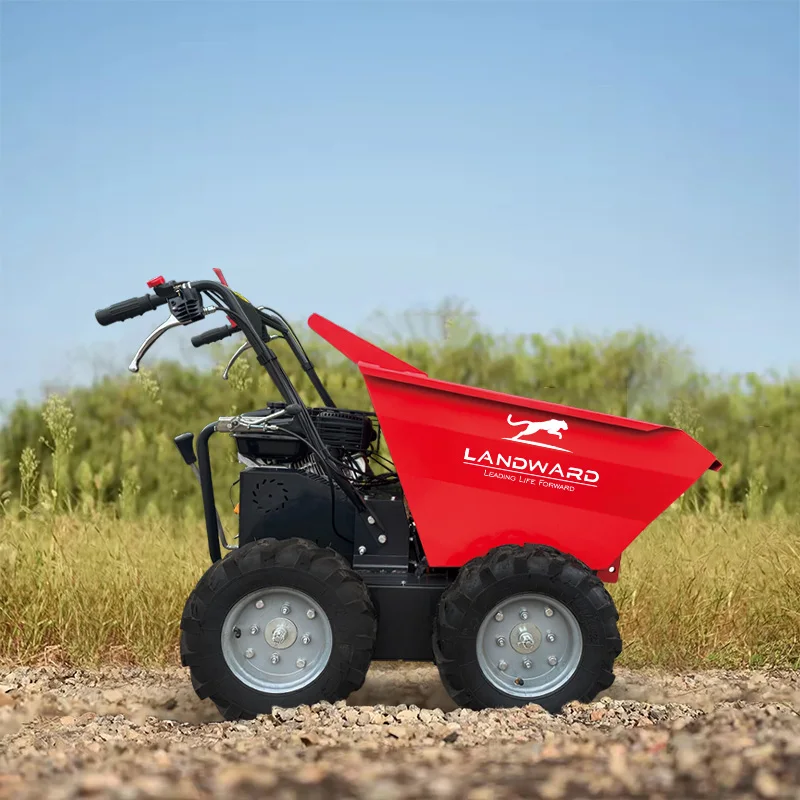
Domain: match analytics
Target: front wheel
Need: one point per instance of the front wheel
(280, 623)
(525, 624)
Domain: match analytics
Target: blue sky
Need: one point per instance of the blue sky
(590, 166)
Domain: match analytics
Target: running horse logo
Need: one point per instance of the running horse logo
(551, 426)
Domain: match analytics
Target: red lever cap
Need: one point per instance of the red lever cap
(155, 281)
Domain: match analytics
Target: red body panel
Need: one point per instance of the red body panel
(584, 482)
(358, 350)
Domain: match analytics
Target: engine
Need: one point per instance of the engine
(347, 433)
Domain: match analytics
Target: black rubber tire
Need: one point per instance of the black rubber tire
(296, 563)
(505, 571)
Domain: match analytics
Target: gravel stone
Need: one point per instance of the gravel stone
(129, 734)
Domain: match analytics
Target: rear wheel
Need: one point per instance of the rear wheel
(525, 624)
(277, 623)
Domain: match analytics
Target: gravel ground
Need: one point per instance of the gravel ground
(143, 734)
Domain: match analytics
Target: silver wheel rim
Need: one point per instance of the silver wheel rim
(277, 640)
(529, 645)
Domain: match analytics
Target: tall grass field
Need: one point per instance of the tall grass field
(695, 591)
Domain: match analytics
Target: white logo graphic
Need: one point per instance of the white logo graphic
(551, 426)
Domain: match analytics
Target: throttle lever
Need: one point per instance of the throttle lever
(169, 323)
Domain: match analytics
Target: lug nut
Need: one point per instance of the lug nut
(306, 638)
(548, 612)
(527, 663)
(275, 658)
(499, 616)
(501, 642)
(382, 538)
(311, 613)
(254, 630)
(362, 550)
(249, 653)
(300, 663)
(523, 614)
(551, 637)
(285, 609)
(502, 666)
(552, 661)
(259, 604)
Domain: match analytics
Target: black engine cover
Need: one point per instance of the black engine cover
(281, 503)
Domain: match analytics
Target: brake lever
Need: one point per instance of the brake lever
(169, 323)
(236, 355)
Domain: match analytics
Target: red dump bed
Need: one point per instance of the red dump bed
(481, 468)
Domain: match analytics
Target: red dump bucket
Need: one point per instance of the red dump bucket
(482, 468)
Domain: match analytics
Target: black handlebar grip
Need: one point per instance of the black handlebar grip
(128, 309)
(214, 335)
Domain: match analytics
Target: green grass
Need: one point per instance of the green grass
(694, 592)
(703, 592)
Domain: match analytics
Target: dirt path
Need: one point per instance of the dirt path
(130, 734)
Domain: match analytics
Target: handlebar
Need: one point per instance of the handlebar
(214, 335)
(128, 309)
(186, 307)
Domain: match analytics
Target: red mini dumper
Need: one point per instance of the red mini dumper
(483, 547)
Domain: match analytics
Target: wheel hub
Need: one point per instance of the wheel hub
(295, 646)
(280, 633)
(525, 638)
(544, 646)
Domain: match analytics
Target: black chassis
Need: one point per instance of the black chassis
(280, 502)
